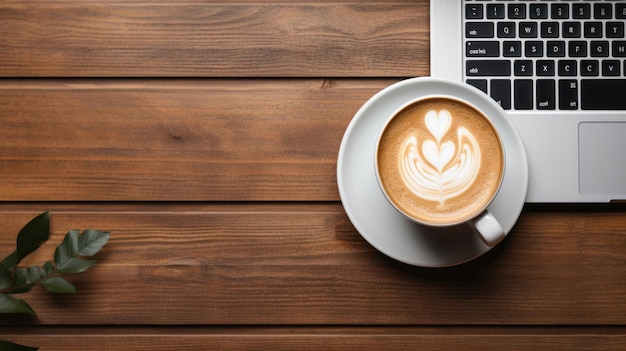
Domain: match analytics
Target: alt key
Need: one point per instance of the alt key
(568, 94)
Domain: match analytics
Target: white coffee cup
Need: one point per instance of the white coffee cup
(440, 162)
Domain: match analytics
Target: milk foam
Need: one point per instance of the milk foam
(437, 169)
(439, 161)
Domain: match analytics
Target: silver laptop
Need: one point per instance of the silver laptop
(559, 69)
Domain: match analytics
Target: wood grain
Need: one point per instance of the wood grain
(326, 338)
(213, 39)
(139, 140)
(204, 136)
(283, 264)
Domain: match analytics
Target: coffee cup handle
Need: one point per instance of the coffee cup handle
(489, 228)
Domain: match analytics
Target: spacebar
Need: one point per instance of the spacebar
(607, 94)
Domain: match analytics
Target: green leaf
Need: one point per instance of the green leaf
(24, 279)
(62, 252)
(9, 262)
(71, 242)
(10, 304)
(6, 267)
(34, 233)
(48, 268)
(73, 265)
(5, 280)
(9, 346)
(58, 285)
(67, 249)
(34, 274)
(91, 241)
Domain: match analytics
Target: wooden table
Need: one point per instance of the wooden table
(204, 136)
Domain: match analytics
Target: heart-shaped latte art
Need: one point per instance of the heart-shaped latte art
(438, 155)
(440, 170)
(438, 123)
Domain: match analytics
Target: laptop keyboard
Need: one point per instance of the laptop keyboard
(547, 55)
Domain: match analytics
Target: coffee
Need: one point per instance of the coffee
(440, 161)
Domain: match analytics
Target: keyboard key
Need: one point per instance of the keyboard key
(581, 11)
(506, 30)
(603, 94)
(571, 30)
(479, 30)
(488, 68)
(546, 96)
(615, 29)
(533, 48)
(559, 11)
(538, 11)
(620, 11)
(577, 48)
(495, 11)
(474, 11)
(478, 83)
(602, 11)
(512, 48)
(501, 92)
(619, 49)
(528, 29)
(545, 68)
(555, 48)
(589, 68)
(482, 49)
(523, 94)
(593, 29)
(568, 68)
(549, 29)
(517, 11)
(523, 68)
(568, 94)
(611, 68)
(599, 49)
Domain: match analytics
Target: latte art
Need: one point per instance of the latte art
(438, 170)
(439, 161)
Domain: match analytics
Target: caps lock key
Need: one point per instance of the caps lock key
(482, 49)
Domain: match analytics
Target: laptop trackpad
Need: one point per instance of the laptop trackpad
(602, 158)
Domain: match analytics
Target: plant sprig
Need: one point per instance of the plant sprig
(69, 258)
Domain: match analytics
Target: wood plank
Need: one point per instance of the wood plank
(233, 265)
(213, 39)
(333, 338)
(175, 140)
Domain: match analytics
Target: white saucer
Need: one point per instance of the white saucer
(379, 223)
